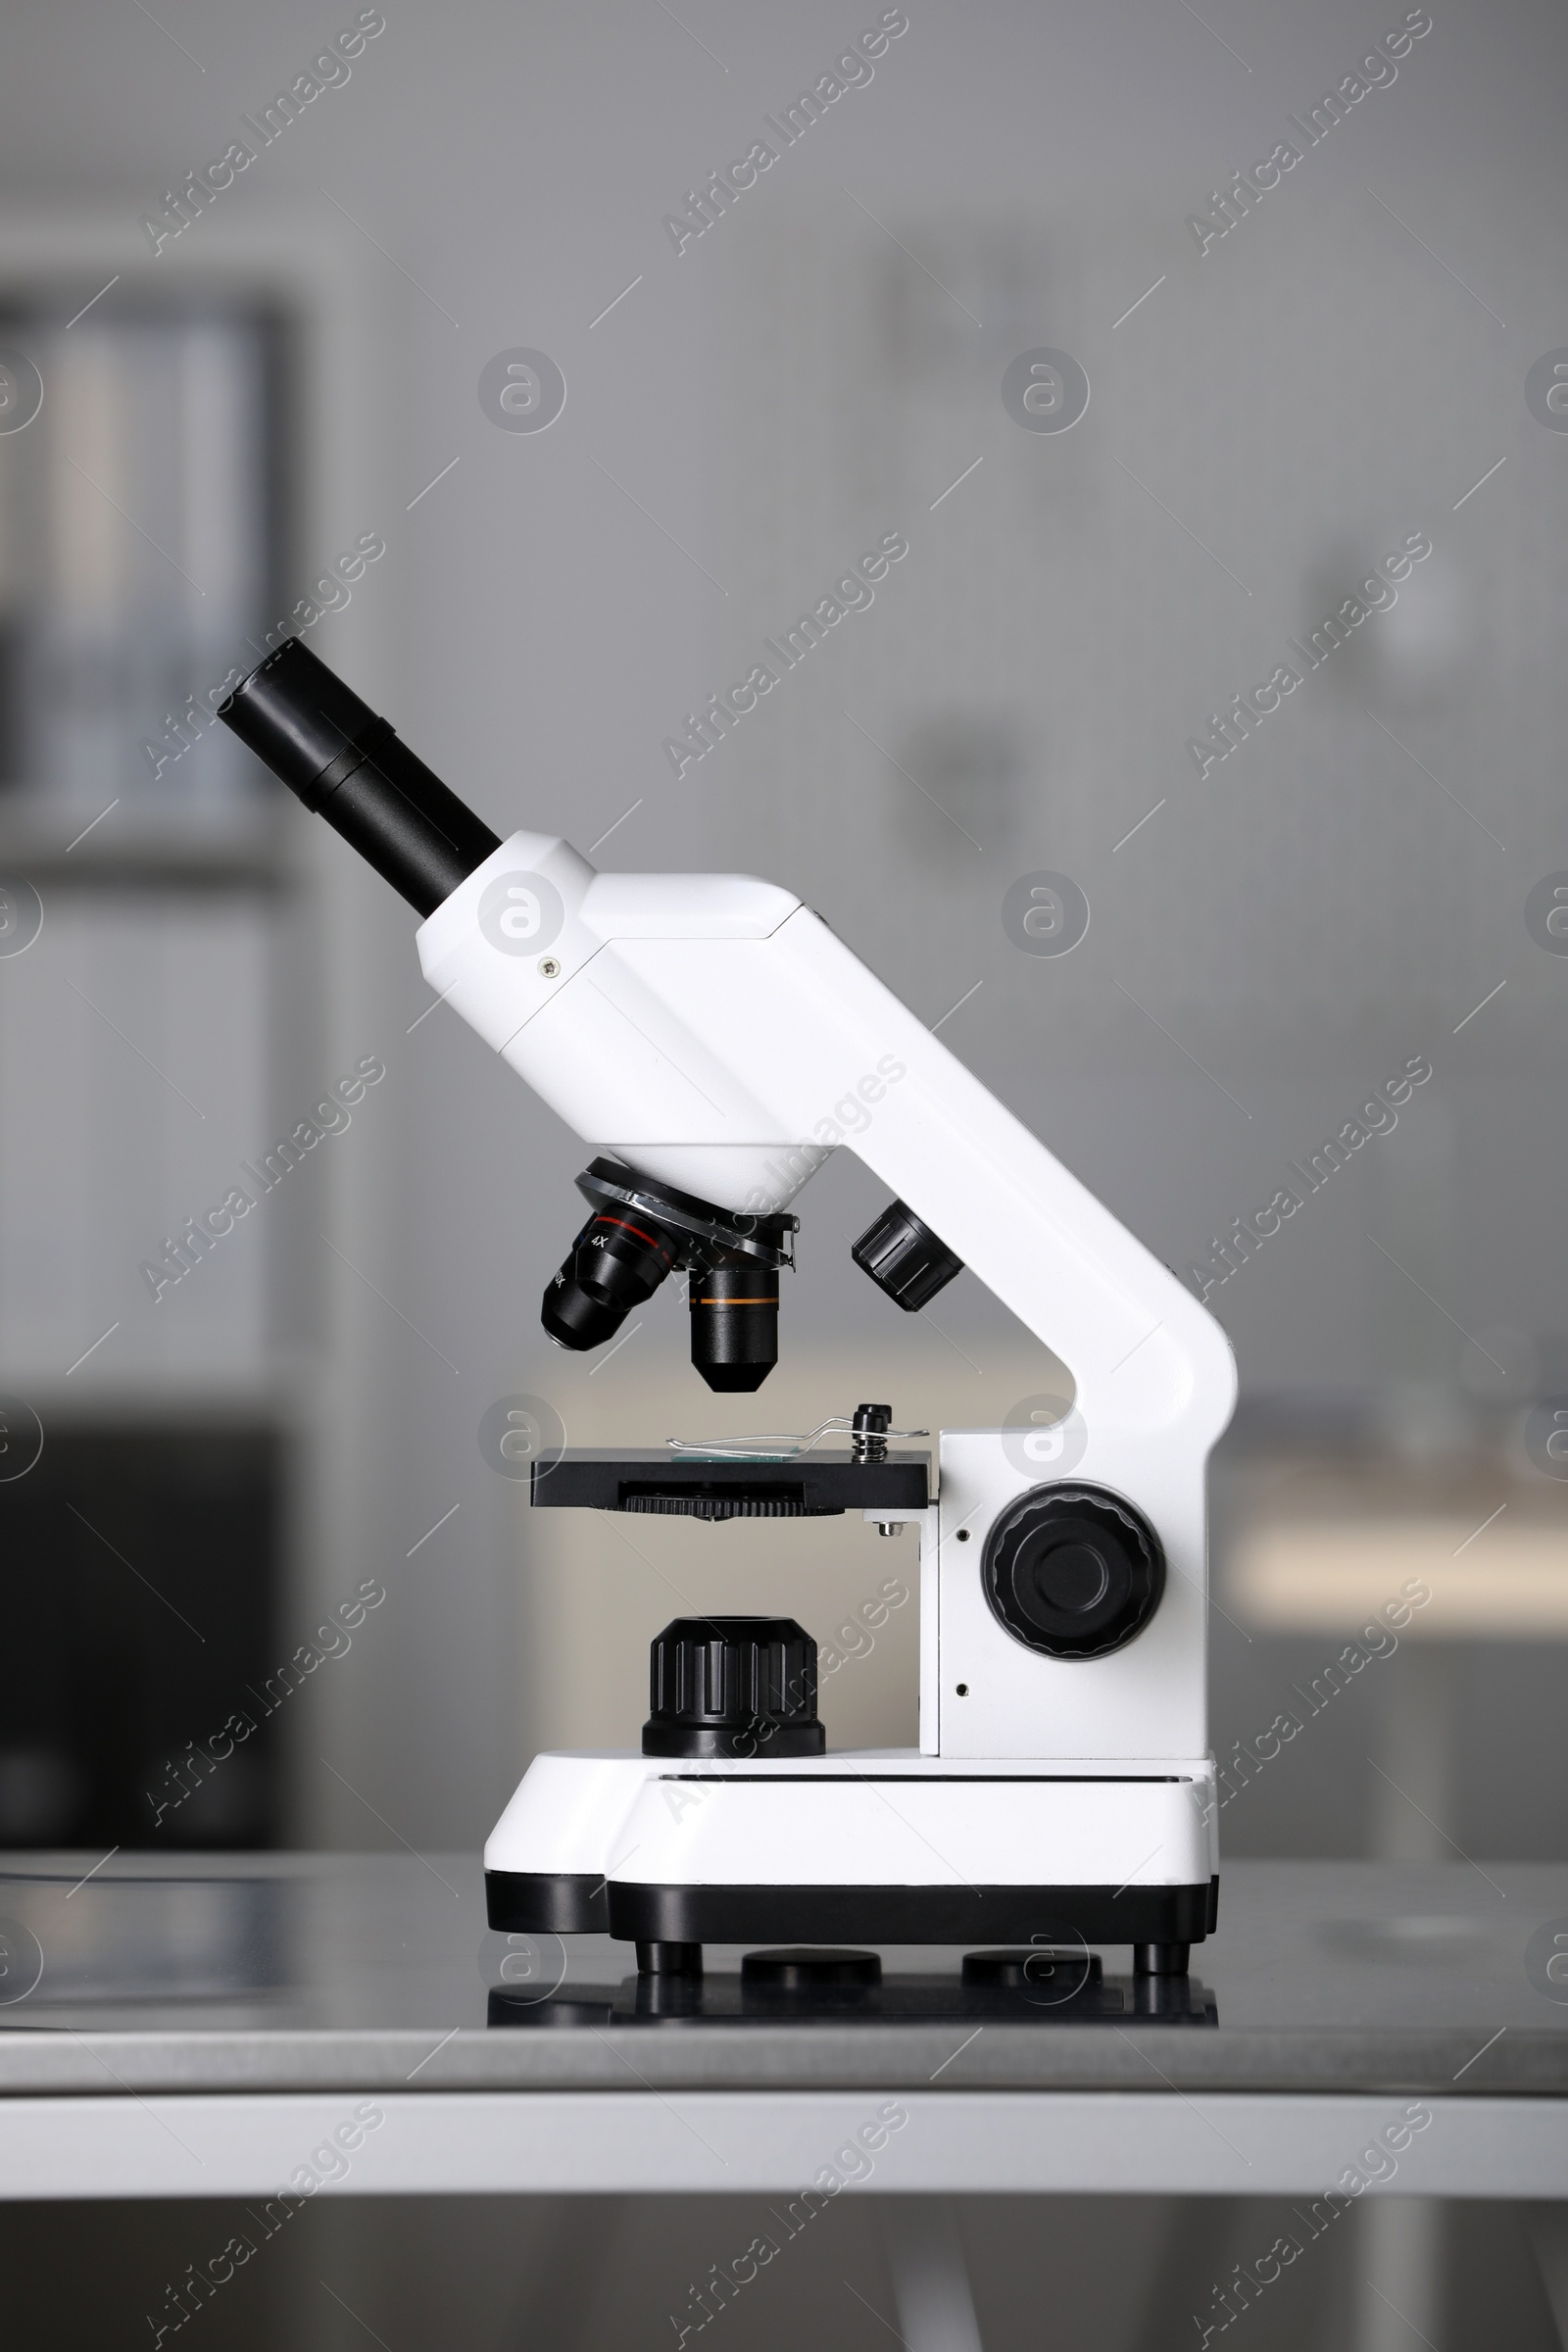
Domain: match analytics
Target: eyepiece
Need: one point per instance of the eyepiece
(347, 765)
(299, 719)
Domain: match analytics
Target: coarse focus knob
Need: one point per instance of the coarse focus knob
(733, 1687)
(905, 1257)
(1073, 1572)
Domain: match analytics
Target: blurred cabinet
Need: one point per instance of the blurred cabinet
(135, 1038)
(141, 1609)
(171, 1018)
(141, 528)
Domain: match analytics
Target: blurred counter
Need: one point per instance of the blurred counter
(224, 2027)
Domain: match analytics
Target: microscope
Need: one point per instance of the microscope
(696, 1032)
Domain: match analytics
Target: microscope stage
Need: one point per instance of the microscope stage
(651, 1479)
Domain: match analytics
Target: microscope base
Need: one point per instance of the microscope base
(868, 1849)
(1154, 1917)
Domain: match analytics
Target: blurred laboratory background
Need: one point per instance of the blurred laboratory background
(1323, 954)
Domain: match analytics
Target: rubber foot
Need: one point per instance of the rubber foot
(1161, 1959)
(669, 1959)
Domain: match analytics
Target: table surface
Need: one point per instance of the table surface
(284, 1973)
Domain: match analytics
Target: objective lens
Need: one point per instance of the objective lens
(734, 1302)
(639, 1230)
(617, 1262)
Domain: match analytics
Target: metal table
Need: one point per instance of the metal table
(204, 2028)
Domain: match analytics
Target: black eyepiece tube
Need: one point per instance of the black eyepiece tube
(348, 766)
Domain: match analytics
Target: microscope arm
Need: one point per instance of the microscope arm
(713, 1033)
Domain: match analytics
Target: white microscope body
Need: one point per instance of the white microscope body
(699, 1029)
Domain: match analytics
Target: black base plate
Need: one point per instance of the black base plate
(541, 1903)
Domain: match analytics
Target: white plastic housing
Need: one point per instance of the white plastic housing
(1146, 1699)
(871, 1819)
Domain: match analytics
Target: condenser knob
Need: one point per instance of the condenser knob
(737, 1686)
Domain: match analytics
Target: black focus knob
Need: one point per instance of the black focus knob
(733, 1687)
(905, 1257)
(1073, 1572)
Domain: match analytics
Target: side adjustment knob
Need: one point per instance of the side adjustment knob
(733, 1687)
(905, 1257)
(1073, 1572)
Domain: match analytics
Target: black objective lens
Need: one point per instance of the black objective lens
(639, 1230)
(734, 1304)
(616, 1261)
